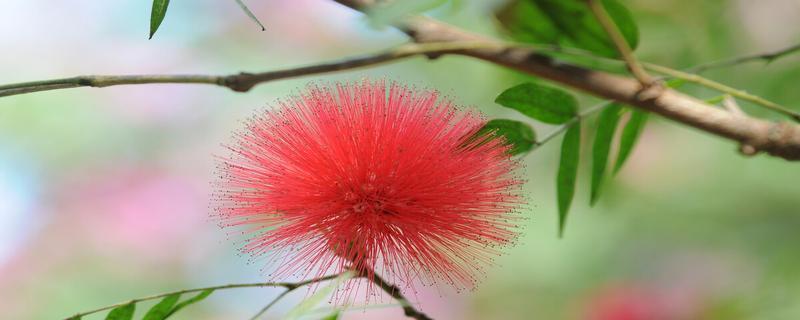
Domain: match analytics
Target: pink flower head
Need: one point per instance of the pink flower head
(353, 176)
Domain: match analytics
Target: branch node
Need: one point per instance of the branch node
(85, 81)
(240, 82)
(747, 150)
(650, 91)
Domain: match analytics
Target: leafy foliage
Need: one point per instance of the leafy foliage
(606, 126)
(518, 134)
(567, 23)
(162, 309)
(199, 297)
(544, 103)
(567, 172)
(157, 15)
(630, 134)
(122, 312)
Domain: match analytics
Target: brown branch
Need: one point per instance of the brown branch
(395, 293)
(243, 82)
(778, 139)
(435, 38)
(619, 41)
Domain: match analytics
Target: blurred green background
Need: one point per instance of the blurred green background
(104, 193)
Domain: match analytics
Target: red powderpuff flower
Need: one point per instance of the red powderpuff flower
(353, 176)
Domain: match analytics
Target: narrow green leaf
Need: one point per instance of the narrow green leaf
(543, 103)
(715, 100)
(630, 134)
(607, 124)
(675, 83)
(122, 312)
(567, 23)
(250, 14)
(162, 309)
(567, 173)
(157, 15)
(518, 134)
(199, 297)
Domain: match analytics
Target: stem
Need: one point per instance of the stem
(685, 75)
(270, 304)
(723, 88)
(288, 285)
(395, 293)
(767, 57)
(560, 129)
(619, 41)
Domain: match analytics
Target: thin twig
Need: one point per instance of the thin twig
(766, 57)
(580, 116)
(619, 41)
(730, 103)
(741, 94)
(243, 82)
(270, 304)
(674, 73)
(288, 285)
(395, 293)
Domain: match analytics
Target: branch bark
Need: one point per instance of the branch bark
(778, 139)
(244, 81)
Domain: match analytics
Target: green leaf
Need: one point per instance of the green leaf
(567, 173)
(567, 23)
(518, 134)
(333, 316)
(157, 15)
(674, 83)
(162, 309)
(607, 124)
(199, 297)
(122, 312)
(250, 14)
(543, 103)
(630, 134)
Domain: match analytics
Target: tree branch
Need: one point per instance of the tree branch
(434, 38)
(778, 139)
(288, 285)
(243, 82)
